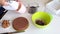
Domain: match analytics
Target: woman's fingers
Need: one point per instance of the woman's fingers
(17, 0)
(3, 2)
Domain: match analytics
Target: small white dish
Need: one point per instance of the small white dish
(22, 9)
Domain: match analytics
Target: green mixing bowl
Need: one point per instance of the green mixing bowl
(43, 16)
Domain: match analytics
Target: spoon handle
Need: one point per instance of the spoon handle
(14, 32)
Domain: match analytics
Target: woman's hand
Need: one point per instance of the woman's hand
(3, 2)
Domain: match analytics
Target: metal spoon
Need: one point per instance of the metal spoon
(13, 32)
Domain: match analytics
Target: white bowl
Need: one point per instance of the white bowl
(12, 5)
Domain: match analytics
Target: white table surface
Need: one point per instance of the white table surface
(53, 28)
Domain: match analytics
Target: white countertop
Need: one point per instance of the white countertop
(53, 28)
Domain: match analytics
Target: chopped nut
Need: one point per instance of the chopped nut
(5, 23)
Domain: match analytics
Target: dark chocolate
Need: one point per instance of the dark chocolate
(40, 22)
